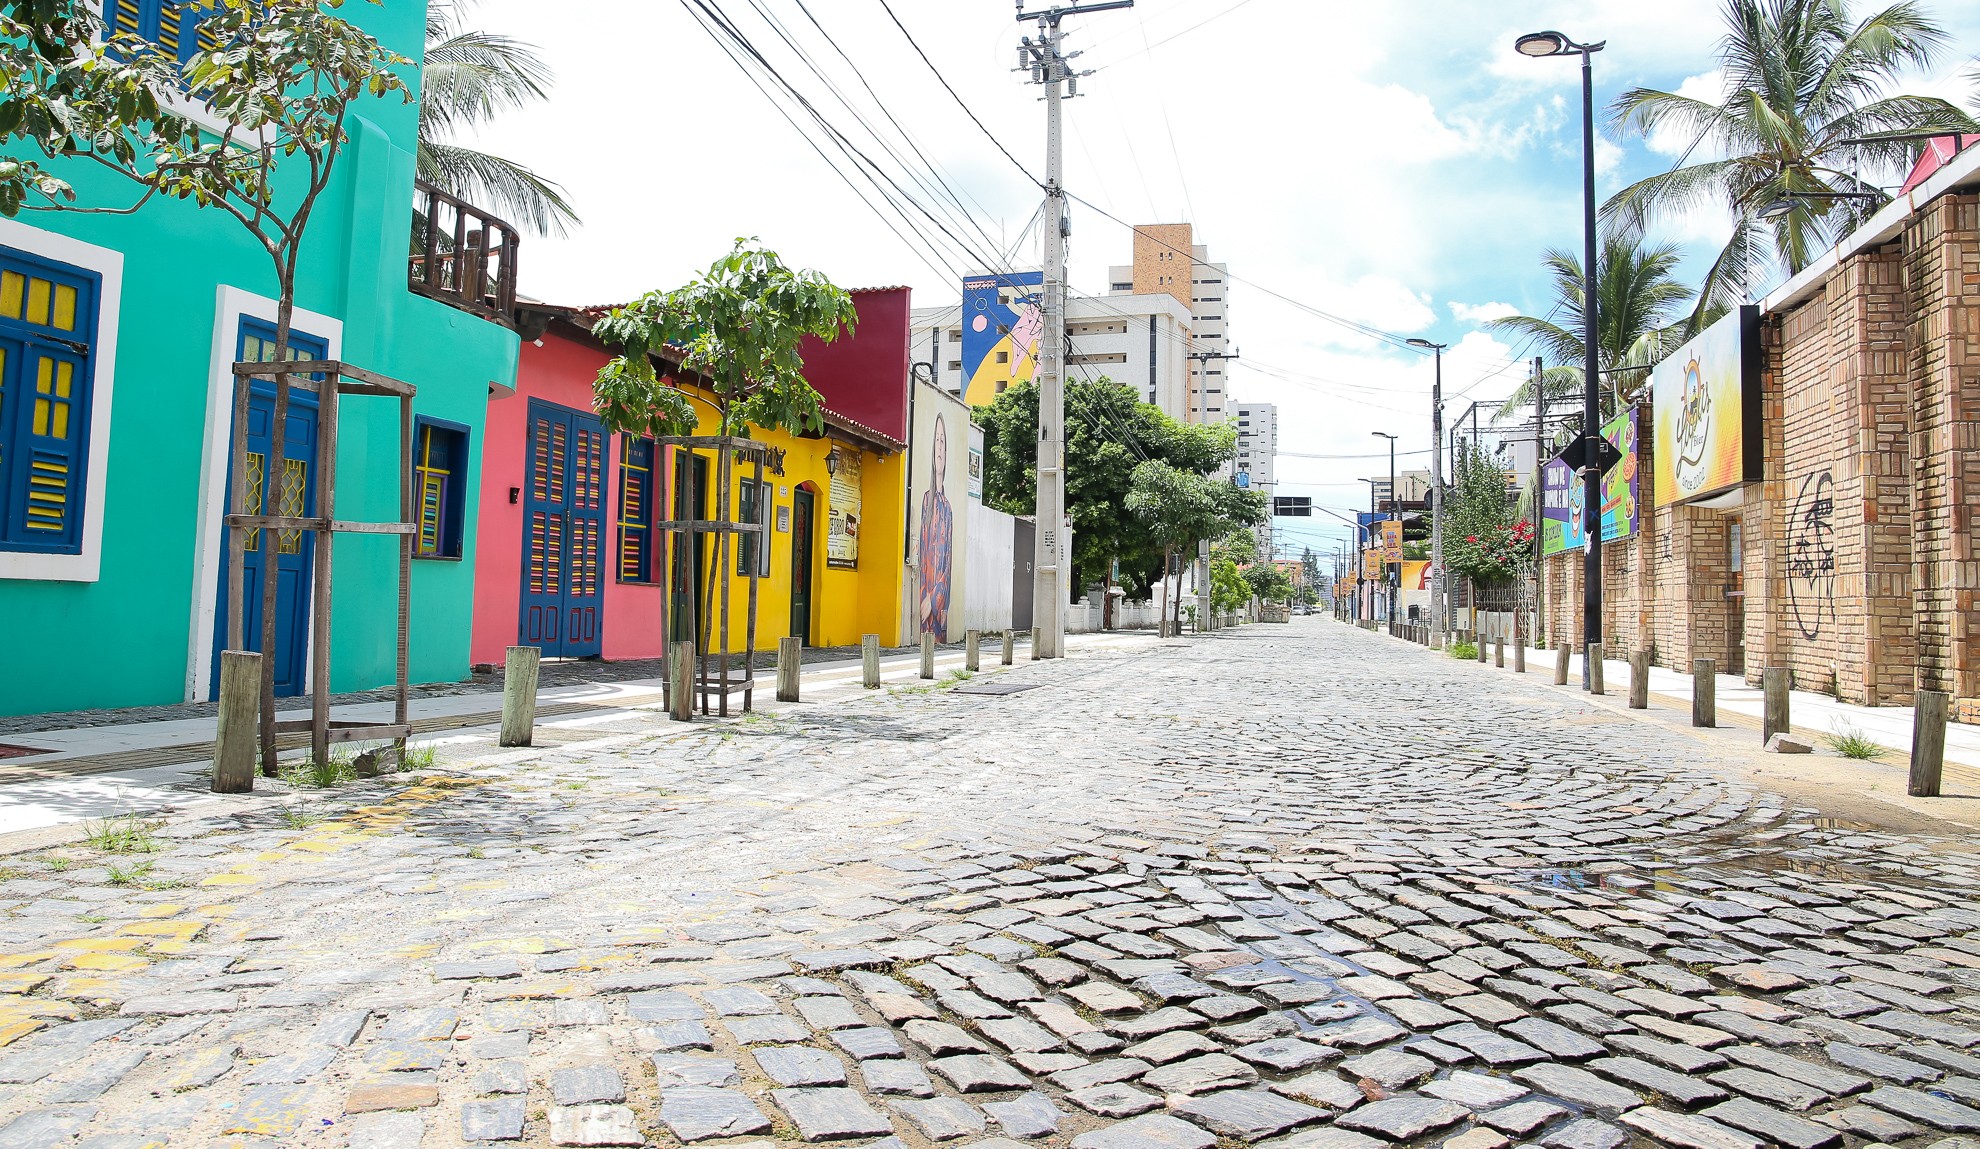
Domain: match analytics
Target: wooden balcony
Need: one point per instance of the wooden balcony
(462, 256)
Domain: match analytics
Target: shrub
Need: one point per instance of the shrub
(1464, 650)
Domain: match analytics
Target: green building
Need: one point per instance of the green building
(117, 336)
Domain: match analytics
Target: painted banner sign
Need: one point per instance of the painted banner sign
(1371, 564)
(842, 531)
(1002, 321)
(1392, 540)
(1563, 495)
(1706, 400)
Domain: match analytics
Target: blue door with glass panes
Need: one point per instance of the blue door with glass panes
(293, 493)
(563, 588)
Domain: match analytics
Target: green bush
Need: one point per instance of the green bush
(1464, 650)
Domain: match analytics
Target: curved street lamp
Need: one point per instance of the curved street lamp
(1541, 45)
(1437, 613)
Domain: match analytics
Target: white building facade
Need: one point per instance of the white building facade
(1258, 445)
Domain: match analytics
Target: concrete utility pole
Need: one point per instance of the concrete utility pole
(1048, 66)
(1539, 500)
(1438, 613)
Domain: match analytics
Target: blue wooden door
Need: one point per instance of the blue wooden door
(563, 591)
(292, 493)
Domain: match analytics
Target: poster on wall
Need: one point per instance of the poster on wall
(939, 481)
(1002, 319)
(1563, 496)
(976, 462)
(1416, 575)
(842, 529)
(1706, 403)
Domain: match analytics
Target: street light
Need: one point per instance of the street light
(1437, 615)
(1395, 514)
(1541, 45)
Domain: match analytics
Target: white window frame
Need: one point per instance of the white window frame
(209, 558)
(198, 111)
(109, 266)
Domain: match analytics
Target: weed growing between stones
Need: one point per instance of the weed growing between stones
(315, 775)
(123, 834)
(1850, 742)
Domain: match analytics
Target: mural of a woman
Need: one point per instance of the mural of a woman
(937, 537)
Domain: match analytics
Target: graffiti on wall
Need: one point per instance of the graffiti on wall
(1811, 554)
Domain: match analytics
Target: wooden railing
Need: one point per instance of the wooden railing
(462, 256)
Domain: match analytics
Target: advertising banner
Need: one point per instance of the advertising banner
(1002, 320)
(1416, 575)
(1563, 495)
(1706, 403)
(937, 535)
(842, 529)
(1392, 540)
(1371, 564)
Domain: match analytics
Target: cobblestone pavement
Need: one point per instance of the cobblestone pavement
(1295, 885)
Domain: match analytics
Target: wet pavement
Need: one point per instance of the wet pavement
(1295, 885)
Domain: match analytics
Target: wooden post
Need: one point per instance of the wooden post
(869, 661)
(326, 509)
(790, 656)
(972, 650)
(1035, 632)
(725, 510)
(1010, 645)
(1928, 743)
(1639, 680)
(1499, 653)
(519, 675)
(759, 558)
(1519, 656)
(927, 655)
(680, 687)
(1774, 718)
(1561, 664)
(1484, 648)
(1597, 656)
(1704, 692)
(240, 700)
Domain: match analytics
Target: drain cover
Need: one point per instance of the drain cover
(995, 688)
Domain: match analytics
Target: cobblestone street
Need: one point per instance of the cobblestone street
(1297, 885)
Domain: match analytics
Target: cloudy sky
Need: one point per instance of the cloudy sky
(1395, 165)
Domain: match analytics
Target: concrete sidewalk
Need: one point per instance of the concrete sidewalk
(98, 771)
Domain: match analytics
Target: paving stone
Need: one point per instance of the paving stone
(46, 1127)
(1403, 1118)
(1202, 1074)
(100, 1076)
(1327, 1139)
(799, 1065)
(1687, 1130)
(1682, 1089)
(1898, 1069)
(1115, 1100)
(1770, 1123)
(1770, 1088)
(676, 1035)
(830, 1114)
(1165, 1048)
(1489, 1046)
(1021, 1036)
(1477, 1138)
(498, 1120)
(494, 968)
(1360, 1033)
(1247, 1114)
(1521, 1118)
(1392, 1069)
(941, 1039)
(1322, 1088)
(1160, 1021)
(941, 1118)
(1577, 1086)
(1151, 1131)
(1586, 1133)
(774, 1028)
(594, 1125)
(1554, 1039)
(978, 1073)
(1925, 1109)
(1028, 1115)
(386, 1131)
(1874, 1124)
(1478, 1090)
(828, 1013)
(1286, 1055)
(1683, 1058)
(587, 1084)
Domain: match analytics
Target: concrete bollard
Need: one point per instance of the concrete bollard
(1010, 645)
(869, 661)
(519, 676)
(1519, 656)
(972, 650)
(680, 682)
(1704, 692)
(1639, 680)
(1774, 715)
(1561, 655)
(1928, 743)
(240, 725)
(1596, 656)
(1499, 653)
(927, 655)
(1035, 633)
(790, 657)
(1478, 640)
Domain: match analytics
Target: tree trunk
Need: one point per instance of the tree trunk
(271, 491)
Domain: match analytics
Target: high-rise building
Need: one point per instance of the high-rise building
(1167, 259)
(1258, 443)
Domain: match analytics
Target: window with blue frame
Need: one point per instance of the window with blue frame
(47, 338)
(751, 557)
(636, 509)
(173, 25)
(439, 487)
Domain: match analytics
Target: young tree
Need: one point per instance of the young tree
(1484, 539)
(1182, 508)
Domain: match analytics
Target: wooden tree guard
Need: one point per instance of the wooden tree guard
(342, 379)
(681, 533)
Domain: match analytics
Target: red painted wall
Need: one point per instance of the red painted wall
(558, 372)
(864, 376)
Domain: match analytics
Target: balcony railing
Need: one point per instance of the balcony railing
(462, 256)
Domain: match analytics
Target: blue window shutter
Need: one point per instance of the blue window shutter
(48, 317)
(636, 510)
(439, 487)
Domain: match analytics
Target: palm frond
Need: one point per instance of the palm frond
(472, 77)
(509, 189)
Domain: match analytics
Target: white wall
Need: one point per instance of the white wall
(987, 566)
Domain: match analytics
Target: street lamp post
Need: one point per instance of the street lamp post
(1394, 579)
(1437, 615)
(1368, 541)
(1540, 45)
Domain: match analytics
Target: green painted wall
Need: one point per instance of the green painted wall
(125, 639)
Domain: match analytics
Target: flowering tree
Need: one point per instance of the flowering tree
(1484, 539)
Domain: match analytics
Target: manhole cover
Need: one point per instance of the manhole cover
(995, 688)
(18, 751)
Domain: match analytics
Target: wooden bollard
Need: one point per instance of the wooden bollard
(1596, 657)
(519, 675)
(1561, 664)
(972, 650)
(869, 661)
(1010, 645)
(1639, 680)
(1519, 656)
(1928, 743)
(927, 655)
(1036, 633)
(1774, 689)
(1704, 692)
(790, 659)
(680, 682)
(1482, 646)
(1499, 653)
(240, 722)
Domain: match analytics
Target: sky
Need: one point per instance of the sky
(1392, 165)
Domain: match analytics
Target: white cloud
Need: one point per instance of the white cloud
(1477, 313)
(1669, 140)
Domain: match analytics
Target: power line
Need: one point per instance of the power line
(960, 102)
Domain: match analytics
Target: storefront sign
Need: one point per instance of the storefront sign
(842, 532)
(1563, 495)
(1706, 400)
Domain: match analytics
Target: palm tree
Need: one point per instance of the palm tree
(470, 78)
(1644, 314)
(1803, 115)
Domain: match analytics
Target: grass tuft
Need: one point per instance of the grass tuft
(123, 834)
(314, 775)
(417, 757)
(1850, 742)
(131, 875)
(300, 817)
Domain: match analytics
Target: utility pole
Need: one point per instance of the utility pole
(1539, 501)
(1395, 514)
(1048, 66)
(1438, 613)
